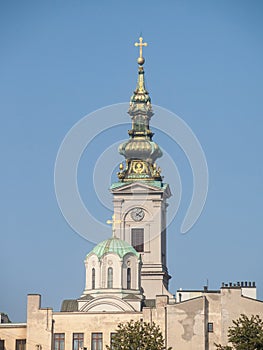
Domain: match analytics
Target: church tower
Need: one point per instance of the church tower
(140, 196)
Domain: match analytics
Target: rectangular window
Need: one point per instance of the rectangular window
(210, 327)
(96, 341)
(20, 344)
(78, 339)
(59, 341)
(137, 238)
(112, 335)
(2, 344)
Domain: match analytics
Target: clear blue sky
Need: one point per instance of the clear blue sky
(61, 60)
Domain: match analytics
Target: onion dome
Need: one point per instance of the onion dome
(140, 149)
(113, 245)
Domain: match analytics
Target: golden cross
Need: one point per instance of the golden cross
(141, 44)
(113, 222)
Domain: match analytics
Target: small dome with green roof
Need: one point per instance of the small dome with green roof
(113, 245)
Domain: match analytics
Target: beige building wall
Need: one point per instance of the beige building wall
(233, 304)
(88, 323)
(220, 308)
(10, 332)
(39, 324)
(184, 325)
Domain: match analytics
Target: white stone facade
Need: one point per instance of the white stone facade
(152, 200)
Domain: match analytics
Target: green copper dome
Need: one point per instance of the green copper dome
(113, 245)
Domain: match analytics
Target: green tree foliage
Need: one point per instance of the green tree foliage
(221, 347)
(136, 335)
(245, 334)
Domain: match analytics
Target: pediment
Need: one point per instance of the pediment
(141, 187)
(106, 303)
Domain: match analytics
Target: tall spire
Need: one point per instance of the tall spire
(140, 94)
(140, 151)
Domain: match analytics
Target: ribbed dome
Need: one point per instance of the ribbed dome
(140, 149)
(113, 245)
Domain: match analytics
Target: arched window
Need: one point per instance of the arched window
(93, 278)
(110, 277)
(128, 278)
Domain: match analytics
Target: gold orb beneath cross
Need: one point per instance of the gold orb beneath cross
(140, 61)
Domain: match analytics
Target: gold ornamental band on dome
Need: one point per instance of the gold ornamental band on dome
(141, 170)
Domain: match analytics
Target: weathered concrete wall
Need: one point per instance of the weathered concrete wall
(233, 304)
(213, 309)
(186, 325)
(39, 324)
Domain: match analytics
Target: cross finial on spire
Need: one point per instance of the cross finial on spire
(140, 44)
(113, 222)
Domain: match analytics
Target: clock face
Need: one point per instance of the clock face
(137, 214)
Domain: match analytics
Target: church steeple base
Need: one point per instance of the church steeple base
(154, 282)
